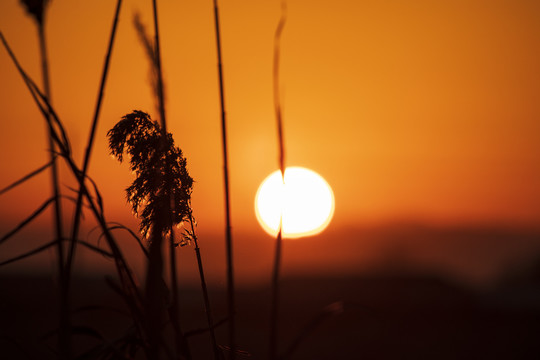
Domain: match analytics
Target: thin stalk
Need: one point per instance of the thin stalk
(153, 290)
(182, 349)
(209, 317)
(154, 294)
(157, 61)
(229, 242)
(206, 298)
(174, 313)
(28, 254)
(64, 338)
(52, 148)
(277, 100)
(274, 312)
(86, 161)
(47, 111)
(124, 272)
(133, 297)
(90, 143)
(26, 221)
(25, 178)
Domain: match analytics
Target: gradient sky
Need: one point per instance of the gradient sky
(412, 110)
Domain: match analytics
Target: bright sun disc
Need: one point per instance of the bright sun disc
(303, 197)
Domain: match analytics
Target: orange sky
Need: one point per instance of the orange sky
(416, 110)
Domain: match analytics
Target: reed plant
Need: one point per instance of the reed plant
(152, 49)
(91, 196)
(38, 11)
(160, 196)
(61, 147)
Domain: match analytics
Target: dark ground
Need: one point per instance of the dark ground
(384, 317)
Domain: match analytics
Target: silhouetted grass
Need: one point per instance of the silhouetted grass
(128, 284)
(162, 199)
(89, 145)
(228, 234)
(37, 9)
(274, 311)
(25, 178)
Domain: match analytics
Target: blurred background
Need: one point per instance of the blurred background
(423, 117)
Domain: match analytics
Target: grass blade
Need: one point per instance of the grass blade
(96, 249)
(333, 309)
(208, 309)
(27, 220)
(124, 272)
(30, 253)
(43, 104)
(57, 208)
(88, 151)
(25, 178)
(133, 234)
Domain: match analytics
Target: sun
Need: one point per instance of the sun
(302, 199)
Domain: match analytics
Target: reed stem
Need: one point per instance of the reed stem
(182, 349)
(274, 312)
(86, 161)
(229, 242)
(64, 338)
(206, 298)
(61, 141)
(89, 146)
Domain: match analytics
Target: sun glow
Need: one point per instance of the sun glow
(303, 201)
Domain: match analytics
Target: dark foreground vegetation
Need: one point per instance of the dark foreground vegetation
(376, 316)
